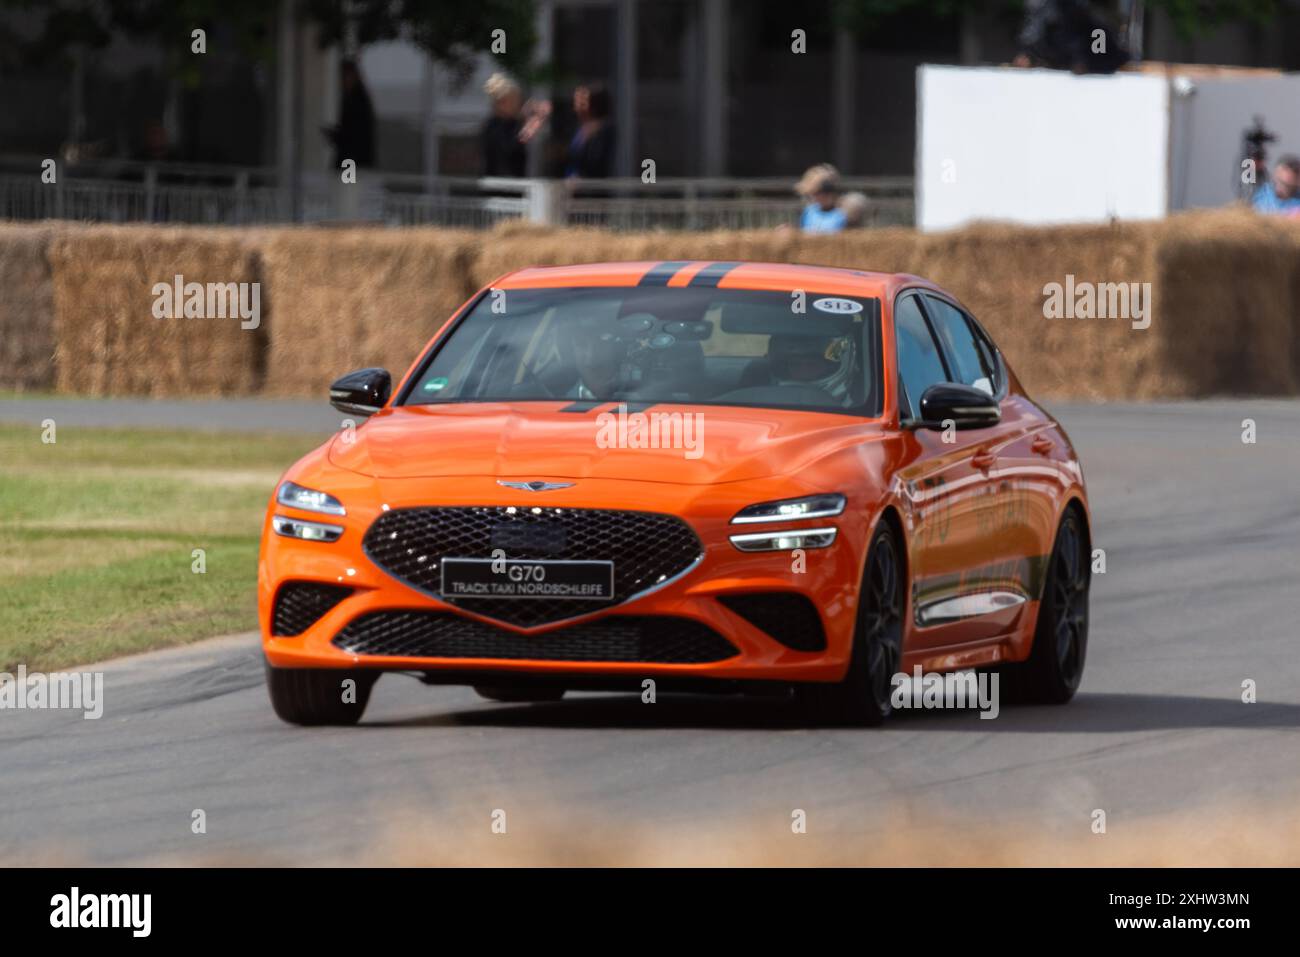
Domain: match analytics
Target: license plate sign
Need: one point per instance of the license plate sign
(527, 578)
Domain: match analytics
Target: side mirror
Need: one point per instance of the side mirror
(363, 392)
(965, 406)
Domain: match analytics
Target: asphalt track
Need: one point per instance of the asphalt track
(1201, 592)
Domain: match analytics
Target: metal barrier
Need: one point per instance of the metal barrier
(125, 191)
(456, 201)
(700, 204)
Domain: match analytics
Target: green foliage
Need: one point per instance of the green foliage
(91, 24)
(1193, 18)
(1190, 18)
(451, 31)
(862, 16)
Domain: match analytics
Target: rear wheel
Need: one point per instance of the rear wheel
(1055, 666)
(518, 695)
(319, 696)
(863, 696)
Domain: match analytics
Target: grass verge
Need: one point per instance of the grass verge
(98, 532)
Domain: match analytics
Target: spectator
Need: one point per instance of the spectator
(510, 128)
(591, 151)
(157, 150)
(854, 206)
(1058, 34)
(1281, 195)
(354, 135)
(154, 146)
(820, 185)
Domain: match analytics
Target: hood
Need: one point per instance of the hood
(538, 440)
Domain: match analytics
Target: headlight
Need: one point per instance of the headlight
(789, 509)
(784, 541)
(308, 499)
(307, 531)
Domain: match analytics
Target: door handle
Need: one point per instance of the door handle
(983, 460)
(1043, 446)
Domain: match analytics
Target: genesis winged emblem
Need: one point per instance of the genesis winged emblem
(534, 486)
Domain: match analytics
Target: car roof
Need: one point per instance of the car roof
(720, 274)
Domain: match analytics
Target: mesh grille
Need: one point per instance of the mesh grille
(788, 617)
(428, 634)
(299, 605)
(646, 549)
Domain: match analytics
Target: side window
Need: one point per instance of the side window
(919, 362)
(969, 353)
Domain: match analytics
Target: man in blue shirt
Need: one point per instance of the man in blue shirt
(821, 185)
(1281, 197)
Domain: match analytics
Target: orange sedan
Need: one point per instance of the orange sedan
(712, 475)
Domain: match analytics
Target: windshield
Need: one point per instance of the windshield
(697, 346)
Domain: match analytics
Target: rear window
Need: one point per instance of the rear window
(689, 345)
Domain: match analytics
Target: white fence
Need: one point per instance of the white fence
(119, 192)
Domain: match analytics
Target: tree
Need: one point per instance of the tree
(451, 31)
(90, 25)
(1190, 18)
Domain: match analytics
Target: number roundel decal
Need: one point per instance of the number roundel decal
(840, 307)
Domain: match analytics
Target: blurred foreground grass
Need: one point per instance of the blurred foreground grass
(98, 530)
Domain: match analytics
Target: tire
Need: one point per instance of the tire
(314, 696)
(863, 696)
(1052, 673)
(518, 695)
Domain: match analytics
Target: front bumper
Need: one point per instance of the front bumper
(692, 603)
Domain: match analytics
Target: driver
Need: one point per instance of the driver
(597, 355)
(824, 362)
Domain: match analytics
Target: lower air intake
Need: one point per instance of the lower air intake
(425, 634)
(299, 605)
(788, 617)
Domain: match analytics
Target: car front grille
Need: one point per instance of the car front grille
(299, 605)
(628, 638)
(646, 548)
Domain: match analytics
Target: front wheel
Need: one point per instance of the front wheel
(319, 696)
(863, 696)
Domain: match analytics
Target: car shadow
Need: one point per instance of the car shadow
(1109, 713)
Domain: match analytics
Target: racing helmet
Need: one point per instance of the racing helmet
(825, 362)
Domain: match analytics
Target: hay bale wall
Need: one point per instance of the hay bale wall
(108, 340)
(1207, 273)
(997, 271)
(1231, 303)
(514, 246)
(345, 299)
(1225, 317)
(26, 309)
